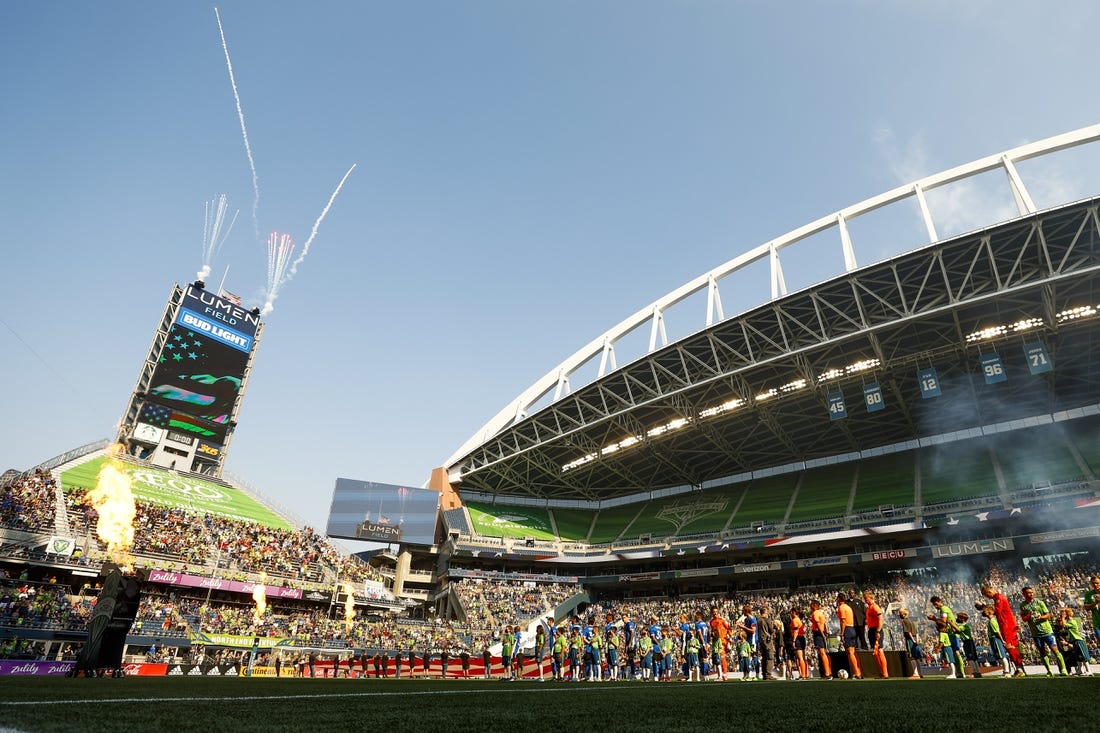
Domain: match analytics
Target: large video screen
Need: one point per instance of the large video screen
(364, 510)
(200, 369)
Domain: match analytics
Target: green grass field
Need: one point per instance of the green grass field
(57, 705)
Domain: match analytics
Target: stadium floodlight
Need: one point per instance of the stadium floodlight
(861, 366)
(830, 374)
(986, 333)
(1024, 324)
(667, 427)
(767, 395)
(793, 386)
(579, 462)
(1073, 314)
(719, 409)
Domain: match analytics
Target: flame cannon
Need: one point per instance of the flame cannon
(114, 614)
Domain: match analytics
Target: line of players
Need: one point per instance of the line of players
(699, 648)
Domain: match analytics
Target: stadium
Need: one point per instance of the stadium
(918, 425)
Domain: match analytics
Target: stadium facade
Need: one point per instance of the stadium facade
(940, 402)
(920, 411)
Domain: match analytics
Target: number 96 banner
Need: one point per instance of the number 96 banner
(993, 369)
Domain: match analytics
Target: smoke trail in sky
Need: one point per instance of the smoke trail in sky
(279, 250)
(317, 224)
(244, 133)
(276, 275)
(212, 236)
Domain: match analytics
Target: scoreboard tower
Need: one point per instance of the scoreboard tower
(183, 410)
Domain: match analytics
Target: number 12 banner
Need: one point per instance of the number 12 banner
(929, 383)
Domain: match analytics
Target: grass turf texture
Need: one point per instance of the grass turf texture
(58, 705)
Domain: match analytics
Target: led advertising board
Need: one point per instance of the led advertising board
(201, 366)
(365, 510)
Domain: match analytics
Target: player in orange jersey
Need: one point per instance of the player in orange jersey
(848, 636)
(874, 631)
(820, 633)
(719, 638)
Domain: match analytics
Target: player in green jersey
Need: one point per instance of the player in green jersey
(1039, 619)
(1092, 603)
(1075, 636)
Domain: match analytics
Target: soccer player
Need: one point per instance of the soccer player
(596, 670)
(819, 631)
(873, 615)
(912, 643)
(540, 648)
(630, 643)
(1039, 619)
(993, 632)
(719, 632)
(1010, 629)
(561, 643)
(966, 636)
(1076, 637)
(702, 633)
(507, 640)
(948, 630)
(1092, 603)
(798, 641)
(744, 654)
(613, 642)
(848, 637)
(645, 651)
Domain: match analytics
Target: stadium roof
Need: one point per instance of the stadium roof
(752, 391)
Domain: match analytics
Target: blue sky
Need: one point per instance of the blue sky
(529, 174)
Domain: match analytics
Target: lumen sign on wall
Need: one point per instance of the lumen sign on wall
(365, 510)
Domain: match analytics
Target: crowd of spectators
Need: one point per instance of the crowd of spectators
(234, 549)
(492, 603)
(29, 502)
(37, 605)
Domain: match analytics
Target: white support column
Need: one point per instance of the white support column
(925, 213)
(846, 244)
(779, 285)
(607, 358)
(714, 302)
(563, 385)
(657, 326)
(1023, 198)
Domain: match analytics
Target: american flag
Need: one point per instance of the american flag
(234, 299)
(155, 414)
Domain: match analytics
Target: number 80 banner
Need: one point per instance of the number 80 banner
(872, 396)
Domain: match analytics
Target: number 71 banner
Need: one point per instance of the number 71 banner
(1037, 359)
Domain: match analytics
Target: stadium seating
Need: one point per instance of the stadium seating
(887, 480)
(29, 502)
(823, 492)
